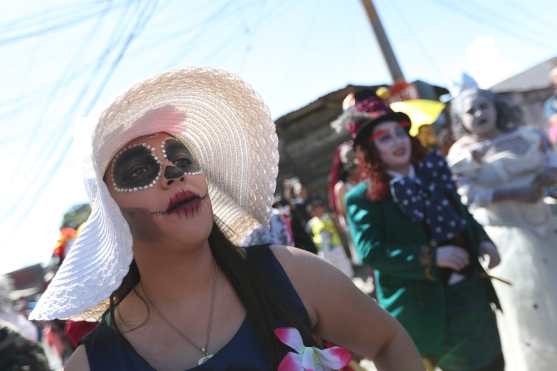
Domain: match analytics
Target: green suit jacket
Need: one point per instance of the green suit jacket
(408, 283)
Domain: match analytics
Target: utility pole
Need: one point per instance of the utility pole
(383, 40)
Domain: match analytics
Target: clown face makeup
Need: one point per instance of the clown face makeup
(388, 137)
(479, 116)
(392, 142)
(137, 167)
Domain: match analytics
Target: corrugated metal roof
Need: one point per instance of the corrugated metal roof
(534, 78)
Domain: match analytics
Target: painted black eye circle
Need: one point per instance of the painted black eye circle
(138, 171)
(177, 153)
(135, 167)
(183, 163)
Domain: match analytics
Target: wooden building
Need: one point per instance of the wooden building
(27, 281)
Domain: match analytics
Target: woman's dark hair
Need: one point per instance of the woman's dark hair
(375, 170)
(508, 116)
(263, 304)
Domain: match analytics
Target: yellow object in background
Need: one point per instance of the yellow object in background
(427, 137)
(324, 224)
(421, 112)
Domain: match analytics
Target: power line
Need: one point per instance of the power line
(81, 96)
(48, 151)
(66, 78)
(249, 35)
(488, 22)
(227, 43)
(144, 15)
(143, 19)
(59, 148)
(46, 15)
(45, 154)
(415, 36)
(201, 28)
(262, 19)
(505, 18)
(181, 32)
(48, 29)
(65, 143)
(527, 13)
(140, 24)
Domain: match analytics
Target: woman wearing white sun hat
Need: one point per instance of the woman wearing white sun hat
(185, 166)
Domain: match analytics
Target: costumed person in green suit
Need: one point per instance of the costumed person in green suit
(409, 225)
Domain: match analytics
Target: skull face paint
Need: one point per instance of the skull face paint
(137, 167)
(177, 206)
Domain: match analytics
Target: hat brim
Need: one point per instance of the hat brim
(364, 131)
(227, 127)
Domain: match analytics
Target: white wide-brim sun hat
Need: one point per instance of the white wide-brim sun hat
(228, 129)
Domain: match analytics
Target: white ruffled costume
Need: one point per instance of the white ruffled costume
(526, 236)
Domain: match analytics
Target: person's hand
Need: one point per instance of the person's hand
(452, 257)
(488, 249)
(479, 153)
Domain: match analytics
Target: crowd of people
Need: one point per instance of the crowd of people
(461, 242)
(193, 258)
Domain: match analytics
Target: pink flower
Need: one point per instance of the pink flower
(309, 358)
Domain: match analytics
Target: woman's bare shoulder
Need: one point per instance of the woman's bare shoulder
(301, 268)
(78, 360)
(294, 260)
(309, 274)
(306, 269)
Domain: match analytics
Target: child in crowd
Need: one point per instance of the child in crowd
(327, 239)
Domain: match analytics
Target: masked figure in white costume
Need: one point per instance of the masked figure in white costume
(502, 170)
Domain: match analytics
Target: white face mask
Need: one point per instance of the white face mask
(393, 144)
(478, 115)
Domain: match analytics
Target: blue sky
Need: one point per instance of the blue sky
(63, 61)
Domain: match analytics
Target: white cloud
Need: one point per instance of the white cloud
(487, 63)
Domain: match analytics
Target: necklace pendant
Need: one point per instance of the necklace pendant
(206, 356)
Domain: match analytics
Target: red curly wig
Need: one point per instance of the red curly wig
(374, 169)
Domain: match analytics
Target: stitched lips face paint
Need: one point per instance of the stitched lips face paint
(184, 203)
(142, 225)
(137, 167)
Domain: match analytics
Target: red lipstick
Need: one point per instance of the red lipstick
(185, 203)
